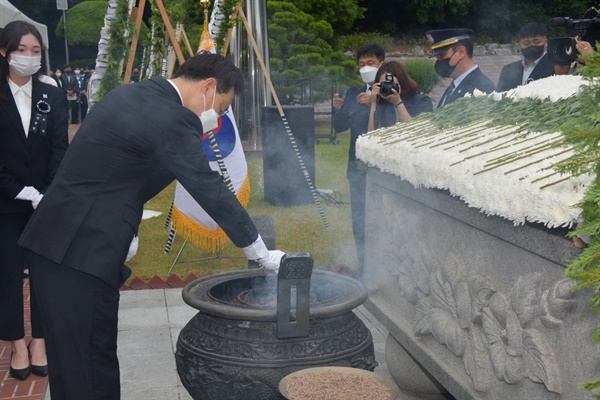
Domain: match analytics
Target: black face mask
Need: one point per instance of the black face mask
(532, 53)
(443, 67)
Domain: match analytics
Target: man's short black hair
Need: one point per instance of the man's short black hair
(371, 50)
(208, 65)
(468, 44)
(533, 29)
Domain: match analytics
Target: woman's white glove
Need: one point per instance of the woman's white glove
(257, 251)
(29, 193)
(133, 247)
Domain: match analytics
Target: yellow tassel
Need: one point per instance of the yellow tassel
(201, 236)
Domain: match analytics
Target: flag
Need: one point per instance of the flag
(225, 156)
(189, 219)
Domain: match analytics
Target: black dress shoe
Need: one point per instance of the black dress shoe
(39, 370)
(20, 374)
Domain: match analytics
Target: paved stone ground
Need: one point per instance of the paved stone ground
(149, 324)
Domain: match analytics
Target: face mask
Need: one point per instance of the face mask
(58, 74)
(368, 73)
(77, 72)
(443, 67)
(210, 118)
(532, 52)
(25, 65)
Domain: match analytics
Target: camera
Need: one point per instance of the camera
(385, 87)
(563, 49)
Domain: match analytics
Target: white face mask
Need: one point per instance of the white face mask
(25, 65)
(77, 72)
(367, 73)
(210, 118)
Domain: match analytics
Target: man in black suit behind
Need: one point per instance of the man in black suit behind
(536, 63)
(136, 141)
(453, 51)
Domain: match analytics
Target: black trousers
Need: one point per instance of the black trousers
(12, 263)
(74, 104)
(358, 196)
(79, 315)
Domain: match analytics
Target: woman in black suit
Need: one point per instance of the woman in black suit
(33, 140)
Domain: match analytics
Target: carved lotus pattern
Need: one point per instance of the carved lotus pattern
(497, 333)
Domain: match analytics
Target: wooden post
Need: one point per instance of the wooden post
(174, 42)
(186, 42)
(139, 13)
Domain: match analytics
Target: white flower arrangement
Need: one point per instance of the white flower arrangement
(499, 169)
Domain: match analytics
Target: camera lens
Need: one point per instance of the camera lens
(563, 50)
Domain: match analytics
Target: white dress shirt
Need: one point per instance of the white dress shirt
(22, 96)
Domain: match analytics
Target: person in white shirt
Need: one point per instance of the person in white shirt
(33, 133)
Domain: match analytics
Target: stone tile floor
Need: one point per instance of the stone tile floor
(149, 324)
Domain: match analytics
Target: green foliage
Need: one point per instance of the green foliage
(583, 133)
(301, 47)
(84, 22)
(118, 48)
(436, 10)
(423, 72)
(340, 14)
(355, 41)
(228, 8)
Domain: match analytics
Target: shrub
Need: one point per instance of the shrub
(423, 72)
(357, 40)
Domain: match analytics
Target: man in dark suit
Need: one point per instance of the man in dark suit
(351, 110)
(135, 142)
(536, 63)
(453, 51)
(70, 86)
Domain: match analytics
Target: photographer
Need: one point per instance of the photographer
(394, 97)
(565, 51)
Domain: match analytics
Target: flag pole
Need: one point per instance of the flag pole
(311, 186)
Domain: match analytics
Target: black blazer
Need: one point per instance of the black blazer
(32, 160)
(511, 75)
(134, 143)
(474, 80)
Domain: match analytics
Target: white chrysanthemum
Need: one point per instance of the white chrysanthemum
(497, 169)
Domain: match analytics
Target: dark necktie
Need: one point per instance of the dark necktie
(447, 94)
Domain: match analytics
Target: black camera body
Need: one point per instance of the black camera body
(385, 87)
(563, 49)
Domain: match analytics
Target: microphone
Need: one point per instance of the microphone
(558, 21)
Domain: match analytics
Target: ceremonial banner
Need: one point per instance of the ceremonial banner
(188, 219)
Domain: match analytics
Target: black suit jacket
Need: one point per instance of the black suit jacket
(136, 141)
(474, 80)
(32, 160)
(355, 117)
(511, 75)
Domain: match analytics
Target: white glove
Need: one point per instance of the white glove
(257, 251)
(31, 194)
(133, 247)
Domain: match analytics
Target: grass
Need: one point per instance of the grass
(297, 229)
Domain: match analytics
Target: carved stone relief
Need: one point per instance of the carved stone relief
(499, 334)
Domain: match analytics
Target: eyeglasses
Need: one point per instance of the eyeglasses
(223, 101)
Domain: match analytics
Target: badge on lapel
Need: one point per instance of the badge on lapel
(40, 121)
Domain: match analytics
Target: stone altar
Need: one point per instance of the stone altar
(476, 307)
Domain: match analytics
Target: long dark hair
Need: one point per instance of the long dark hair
(385, 114)
(10, 39)
(408, 85)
